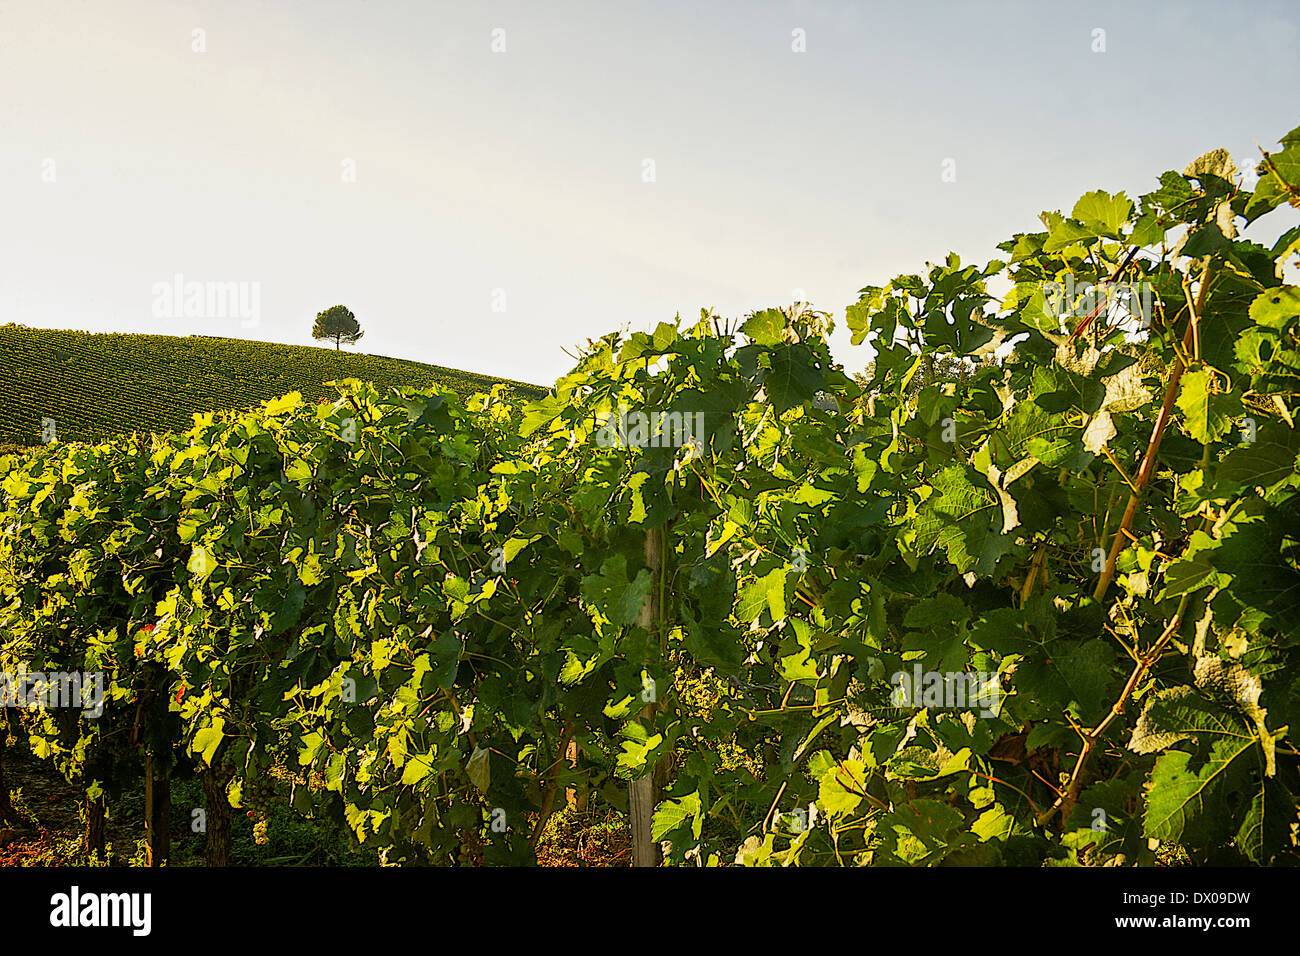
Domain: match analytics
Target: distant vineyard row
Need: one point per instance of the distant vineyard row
(93, 386)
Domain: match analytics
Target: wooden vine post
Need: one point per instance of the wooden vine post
(157, 771)
(219, 816)
(643, 793)
(94, 838)
(157, 810)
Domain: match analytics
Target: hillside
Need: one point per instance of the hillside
(94, 385)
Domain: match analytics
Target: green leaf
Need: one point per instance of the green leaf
(994, 824)
(1265, 463)
(1102, 213)
(417, 768)
(765, 328)
(286, 403)
(795, 376)
(1194, 570)
(946, 611)
(1175, 714)
(208, 739)
(1063, 233)
(800, 665)
(639, 750)
(1175, 193)
(613, 594)
(1266, 826)
(1186, 804)
(513, 546)
(1276, 308)
(1263, 581)
(1209, 415)
(541, 412)
(963, 520)
(298, 471)
(478, 769)
(765, 593)
(201, 562)
(839, 782)
(290, 610)
(679, 813)
(1279, 181)
(445, 657)
(312, 745)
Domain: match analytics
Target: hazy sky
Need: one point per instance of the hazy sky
(523, 171)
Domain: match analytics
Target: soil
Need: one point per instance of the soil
(54, 817)
(598, 837)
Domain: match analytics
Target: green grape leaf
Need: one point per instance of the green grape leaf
(208, 739)
(962, 519)
(1209, 415)
(613, 594)
(765, 328)
(677, 814)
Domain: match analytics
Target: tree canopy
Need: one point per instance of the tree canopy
(337, 323)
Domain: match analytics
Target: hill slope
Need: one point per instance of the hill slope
(94, 385)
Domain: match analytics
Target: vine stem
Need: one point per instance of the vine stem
(548, 799)
(1066, 801)
(1153, 446)
(1035, 567)
(768, 816)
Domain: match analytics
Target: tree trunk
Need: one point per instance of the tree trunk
(643, 794)
(217, 851)
(8, 815)
(94, 839)
(157, 811)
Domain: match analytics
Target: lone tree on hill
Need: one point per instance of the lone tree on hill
(337, 323)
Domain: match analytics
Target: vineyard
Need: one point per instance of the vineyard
(94, 386)
(1047, 614)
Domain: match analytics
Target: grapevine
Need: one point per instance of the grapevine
(1044, 611)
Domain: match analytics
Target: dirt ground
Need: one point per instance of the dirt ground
(51, 807)
(598, 837)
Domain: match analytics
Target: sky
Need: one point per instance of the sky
(485, 183)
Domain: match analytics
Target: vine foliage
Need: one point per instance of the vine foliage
(424, 607)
